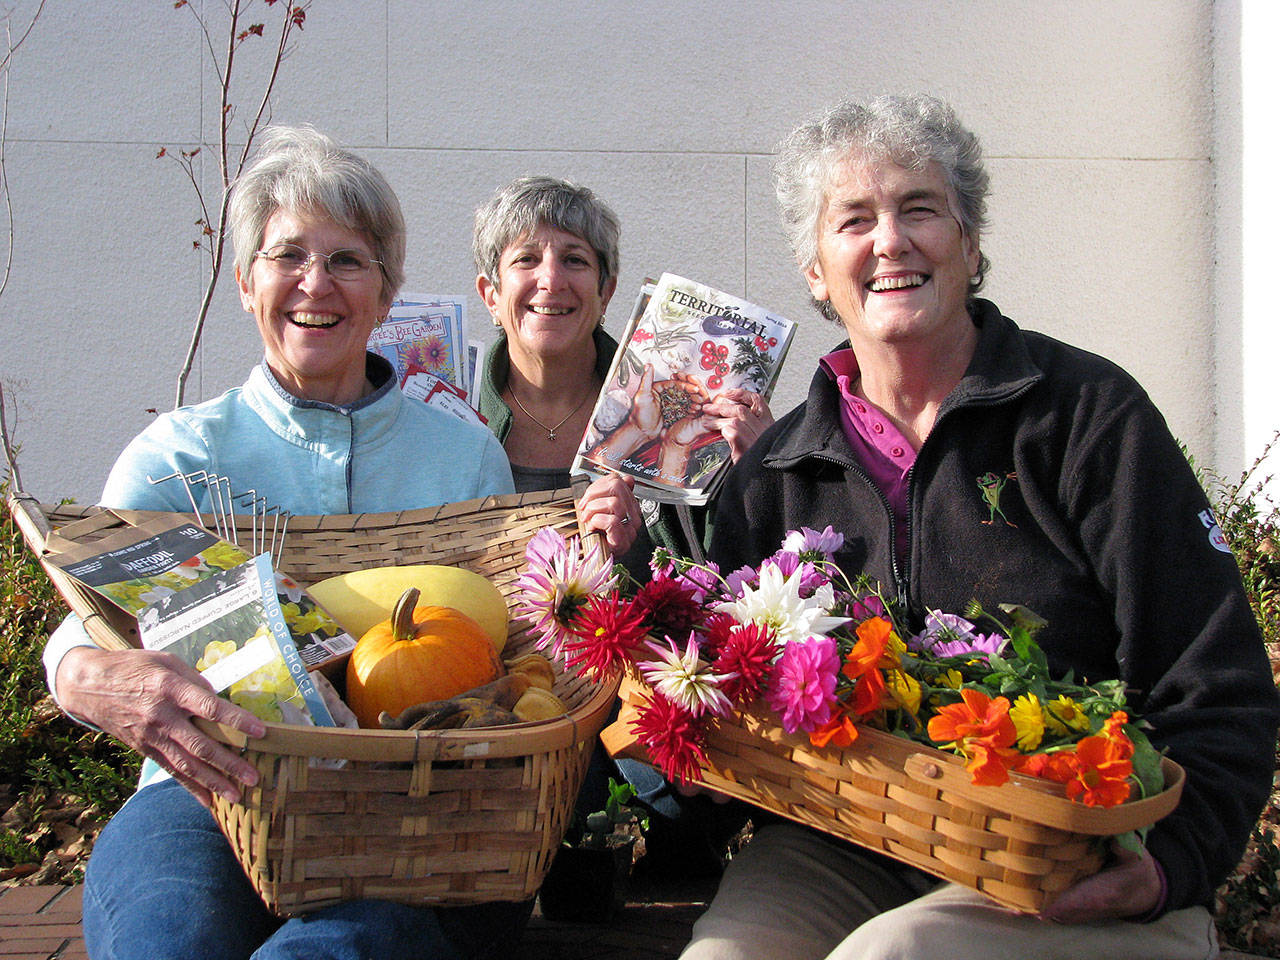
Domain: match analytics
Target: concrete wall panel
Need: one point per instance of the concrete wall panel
(1097, 119)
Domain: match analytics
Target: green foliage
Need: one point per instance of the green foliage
(46, 761)
(608, 827)
(1251, 523)
(1248, 904)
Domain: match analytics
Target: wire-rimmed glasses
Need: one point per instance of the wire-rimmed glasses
(291, 260)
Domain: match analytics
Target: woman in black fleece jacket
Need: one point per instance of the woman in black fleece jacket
(963, 458)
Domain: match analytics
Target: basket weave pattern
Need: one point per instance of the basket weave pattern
(1019, 843)
(427, 817)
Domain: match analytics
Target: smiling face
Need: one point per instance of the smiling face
(548, 297)
(892, 259)
(314, 328)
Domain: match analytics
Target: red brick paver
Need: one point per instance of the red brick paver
(41, 923)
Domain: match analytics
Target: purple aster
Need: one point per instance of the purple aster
(864, 608)
(743, 576)
(703, 580)
(811, 545)
(949, 635)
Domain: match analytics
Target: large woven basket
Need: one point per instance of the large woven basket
(1019, 843)
(434, 817)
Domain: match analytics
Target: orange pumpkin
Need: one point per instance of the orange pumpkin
(421, 653)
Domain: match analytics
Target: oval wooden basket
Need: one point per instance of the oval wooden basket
(427, 817)
(1020, 843)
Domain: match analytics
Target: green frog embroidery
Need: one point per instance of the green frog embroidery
(991, 485)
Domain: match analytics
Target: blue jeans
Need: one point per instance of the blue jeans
(163, 882)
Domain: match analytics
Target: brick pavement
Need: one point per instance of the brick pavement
(43, 923)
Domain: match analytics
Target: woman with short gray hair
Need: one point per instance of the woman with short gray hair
(546, 255)
(1095, 521)
(299, 168)
(320, 427)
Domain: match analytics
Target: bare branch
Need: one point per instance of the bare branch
(10, 451)
(4, 172)
(292, 16)
(13, 47)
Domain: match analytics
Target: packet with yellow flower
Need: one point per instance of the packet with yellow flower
(230, 627)
(140, 563)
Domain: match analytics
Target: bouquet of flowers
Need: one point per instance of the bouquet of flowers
(828, 656)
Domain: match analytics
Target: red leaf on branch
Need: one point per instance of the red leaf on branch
(255, 29)
(161, 153)
(298, 16)
(179, 4)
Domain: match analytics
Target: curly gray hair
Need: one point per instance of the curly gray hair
(525, 204)
(910, 131)
(301, 170)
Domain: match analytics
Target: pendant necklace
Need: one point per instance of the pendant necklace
(551, 431)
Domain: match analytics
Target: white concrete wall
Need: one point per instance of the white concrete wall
(1097, 117)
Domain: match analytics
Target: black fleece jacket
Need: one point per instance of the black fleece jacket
(1051, 480)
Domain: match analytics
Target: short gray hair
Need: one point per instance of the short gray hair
(908, 130)
(525, 204)
(300, 170)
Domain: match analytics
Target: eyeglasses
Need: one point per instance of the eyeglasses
(291, 260)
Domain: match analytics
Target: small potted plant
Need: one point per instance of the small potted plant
(587, 881)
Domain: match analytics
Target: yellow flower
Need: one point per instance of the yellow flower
(1028, 720)
(1062, 716)
(214, 651)
(894, 648)
(312, 621)
(903, 691)
(946, 678)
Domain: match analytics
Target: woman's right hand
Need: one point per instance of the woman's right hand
(147, 698)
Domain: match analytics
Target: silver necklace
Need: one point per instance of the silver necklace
(551, 431)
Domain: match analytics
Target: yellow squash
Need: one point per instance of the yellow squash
(363, 598)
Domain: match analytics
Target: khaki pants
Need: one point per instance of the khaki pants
(792, 895)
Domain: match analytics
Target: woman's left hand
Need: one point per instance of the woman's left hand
(1130, 887)
(741, 417)
(609, 507)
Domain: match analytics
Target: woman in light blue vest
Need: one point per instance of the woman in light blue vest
(320, 427)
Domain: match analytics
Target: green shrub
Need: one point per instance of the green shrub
(59, 781)
(1248, 904)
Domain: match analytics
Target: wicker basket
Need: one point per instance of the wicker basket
(1019, 843)
(432, 817)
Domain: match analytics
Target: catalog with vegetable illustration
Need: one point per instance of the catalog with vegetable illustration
(686, 345)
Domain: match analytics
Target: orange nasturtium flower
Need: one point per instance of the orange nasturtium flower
(978, 728)
(862, 664)
(1113, 730)
(1102, 772)
(840, 731)
(1058, 766)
